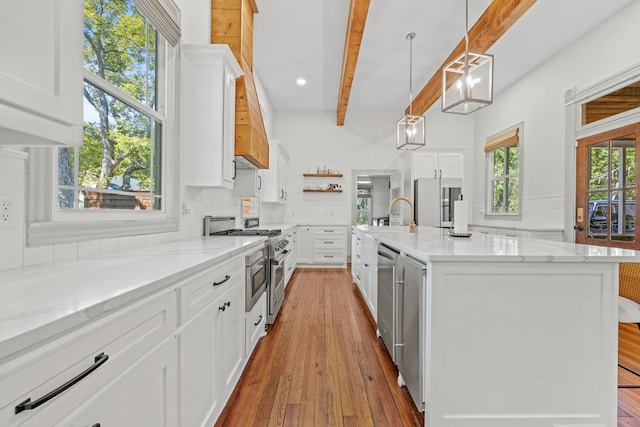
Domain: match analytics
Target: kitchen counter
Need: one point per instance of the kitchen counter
(516, 331)
(435, 244)
(36, 303)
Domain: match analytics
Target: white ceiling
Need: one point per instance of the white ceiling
(305, 38)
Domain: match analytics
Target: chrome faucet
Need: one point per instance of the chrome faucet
(412, 225)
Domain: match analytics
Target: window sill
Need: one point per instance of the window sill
(53, 233)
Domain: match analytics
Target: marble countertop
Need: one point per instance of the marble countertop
(435, 244)
(41, 301)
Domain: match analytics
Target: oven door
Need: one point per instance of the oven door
(276, 285)
(256, 282)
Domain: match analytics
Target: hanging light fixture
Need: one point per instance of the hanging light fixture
(467, 81)
(410, 130)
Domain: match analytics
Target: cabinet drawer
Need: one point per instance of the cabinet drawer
(121, 338)
(329, 256)
(198, 291)
(341, 231)
(329, 242)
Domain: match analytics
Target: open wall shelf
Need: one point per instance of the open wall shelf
(328, 175)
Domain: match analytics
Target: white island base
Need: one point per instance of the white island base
(521, 344)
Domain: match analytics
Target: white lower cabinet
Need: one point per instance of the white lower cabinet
(369, 270)
(87, 372)
(211, 341)
(255, 322)
(170, 359)
(322, 245)
(145, 395)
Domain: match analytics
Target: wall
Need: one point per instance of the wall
(538, 101)
(312, 138)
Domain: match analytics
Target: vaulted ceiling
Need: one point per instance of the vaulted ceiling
(294, 39)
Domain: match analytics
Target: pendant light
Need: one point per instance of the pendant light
(410, 130)
(467, 81)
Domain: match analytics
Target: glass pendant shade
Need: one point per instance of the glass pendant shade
(467, 83)
(410, 133)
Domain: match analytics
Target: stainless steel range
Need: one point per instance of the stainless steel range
(277, 252)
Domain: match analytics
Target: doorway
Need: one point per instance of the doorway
(373, 191)
(606, 188)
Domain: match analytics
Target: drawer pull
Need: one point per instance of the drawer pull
(27, 405)
(329, 231)
(259, 320)
(226, 278)
(329, 242)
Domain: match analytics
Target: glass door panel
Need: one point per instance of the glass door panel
(606, 189)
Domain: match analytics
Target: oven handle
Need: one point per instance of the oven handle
(281, 258)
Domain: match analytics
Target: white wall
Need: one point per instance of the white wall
(538, 101)
(312, 138)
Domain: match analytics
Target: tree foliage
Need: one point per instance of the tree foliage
(119, 47)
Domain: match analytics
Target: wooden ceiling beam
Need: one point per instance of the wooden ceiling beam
(358, 11)
(493, 24)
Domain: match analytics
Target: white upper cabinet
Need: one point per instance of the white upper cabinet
(275, 178)
(207, 114)
(437, 164)
(41, 72)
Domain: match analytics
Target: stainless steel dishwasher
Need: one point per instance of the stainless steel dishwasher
(387, 278)
(410, 325)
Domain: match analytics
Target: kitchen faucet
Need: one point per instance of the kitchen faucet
(412, 225)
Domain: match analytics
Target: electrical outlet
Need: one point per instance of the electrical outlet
(7, 212)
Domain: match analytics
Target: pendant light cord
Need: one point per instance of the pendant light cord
(410, 37)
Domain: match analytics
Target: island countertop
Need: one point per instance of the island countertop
(435, 244)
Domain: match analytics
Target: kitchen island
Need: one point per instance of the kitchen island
(518, 332)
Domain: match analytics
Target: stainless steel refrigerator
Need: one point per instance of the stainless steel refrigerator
(433, 200)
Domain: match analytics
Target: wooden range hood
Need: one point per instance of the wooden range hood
(232, 24)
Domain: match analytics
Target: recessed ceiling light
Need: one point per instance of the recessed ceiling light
(301, 81)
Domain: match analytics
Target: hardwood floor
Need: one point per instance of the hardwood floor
(321, 364)
(628, 355)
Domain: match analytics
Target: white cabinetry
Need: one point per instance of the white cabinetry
(290, 261)
(322, 245)
(255, 322)
(212, 340)
(248, 183)
(208, 114)
(275, 178)
(356, 256)
(41, 72)
(437, 164)
(145, 395)
(304, 249)
(129, 359)
(329, 245)
(369, 285)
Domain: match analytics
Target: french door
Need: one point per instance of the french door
(606, 188)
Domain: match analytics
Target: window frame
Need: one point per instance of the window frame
(490, 178)
(48, 224)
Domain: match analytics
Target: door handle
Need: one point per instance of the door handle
(578, 227)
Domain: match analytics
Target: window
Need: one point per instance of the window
(123, 180)
(504, 160)
(120, 162)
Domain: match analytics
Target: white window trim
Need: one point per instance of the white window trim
(47, 225)
(489, 176)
